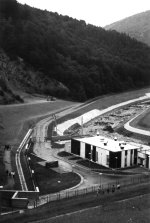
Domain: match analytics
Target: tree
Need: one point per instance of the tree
(9, 8)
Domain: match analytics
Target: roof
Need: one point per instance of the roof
(107, 144)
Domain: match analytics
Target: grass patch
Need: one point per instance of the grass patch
(35, 159)
(50, 181)
(92, 165)
(99, 168)
(56, 145)
(95, 166)
(53, 182)
(64, 154)
(75, 158)
(122, 131)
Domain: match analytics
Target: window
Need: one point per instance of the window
(126, 152)
(96, 156)
(107, 159)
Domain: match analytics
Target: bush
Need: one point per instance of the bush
(18, 98)
(108, 128)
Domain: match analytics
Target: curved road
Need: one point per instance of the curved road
(43, 149)
(128, 127)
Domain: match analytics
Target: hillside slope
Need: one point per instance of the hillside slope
(7, 95)
(80, 60)
(17, 77)
(136, 26)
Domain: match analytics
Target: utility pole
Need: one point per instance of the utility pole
(82, 125)
(100, 174)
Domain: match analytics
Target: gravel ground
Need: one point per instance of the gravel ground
(115, 119)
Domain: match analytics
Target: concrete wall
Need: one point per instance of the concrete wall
(18, 199)
(128, 158)
(102, 156)
(123, 159)
(31, 195)
(142, 156)
(149, 162)
(20, 203)
(68, 146)
(133, 157)
(82, 149)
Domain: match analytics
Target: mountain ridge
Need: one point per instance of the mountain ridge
(136, 26)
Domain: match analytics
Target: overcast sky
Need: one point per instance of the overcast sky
(96, 12)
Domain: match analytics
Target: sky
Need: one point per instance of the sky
(96, 12)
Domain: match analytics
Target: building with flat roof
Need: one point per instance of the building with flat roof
(107, 152)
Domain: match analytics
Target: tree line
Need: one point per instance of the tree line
(87, 60)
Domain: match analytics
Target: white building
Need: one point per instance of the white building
(107, 152)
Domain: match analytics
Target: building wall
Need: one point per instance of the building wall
(68, 147)
(88, 151)
(82, 149)
(142, 158)
(123, 159)
(127, 160)
(135, 156)
(128, 157)
(94, 154)
(75, 147)
(115, 159)
(102, 156)
(19, 203)
(148, 157)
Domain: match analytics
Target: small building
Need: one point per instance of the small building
(144, 156)
(107, 152)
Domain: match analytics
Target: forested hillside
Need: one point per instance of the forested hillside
(86, 61)
(16, 77)
(136, 26)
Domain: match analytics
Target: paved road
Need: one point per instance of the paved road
(44, 150)
(136, 130)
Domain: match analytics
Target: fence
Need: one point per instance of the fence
(99, 189)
